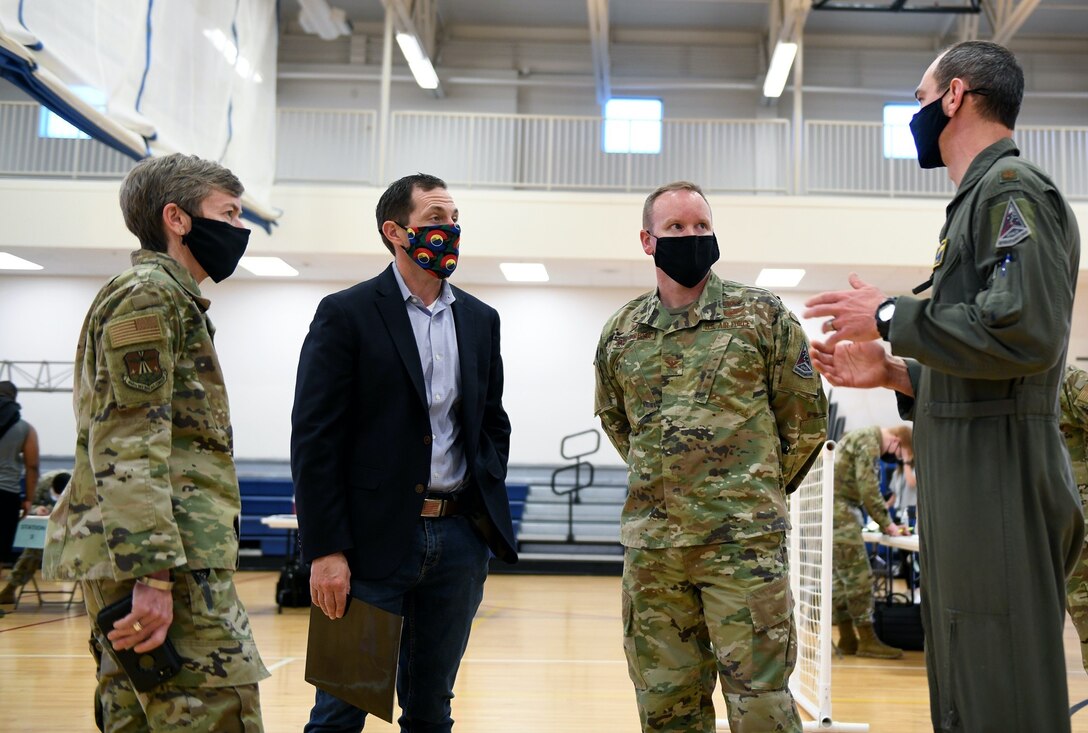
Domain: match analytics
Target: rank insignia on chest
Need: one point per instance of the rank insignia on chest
(1013, 227)
(143, 370)
(803, 366)
(938, 257)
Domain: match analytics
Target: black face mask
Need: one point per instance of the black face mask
(926, 126)
(889, 458)
(686, 260)
(216, 246)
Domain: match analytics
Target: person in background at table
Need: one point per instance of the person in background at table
(18, 452)
(905, 485)
(857, 485)
(50, 486)
(1073, 400)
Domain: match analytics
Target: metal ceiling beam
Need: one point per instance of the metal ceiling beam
(1010, 22)
(599, 41)
(899, 6)
(787, 23)
(418, 18)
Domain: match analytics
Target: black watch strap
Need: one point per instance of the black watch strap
(883, 326)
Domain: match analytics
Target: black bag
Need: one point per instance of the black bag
(293, 587)
(898, 622)
(9, 414)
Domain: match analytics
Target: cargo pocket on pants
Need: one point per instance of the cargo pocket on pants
(634, 666)
(774, 648)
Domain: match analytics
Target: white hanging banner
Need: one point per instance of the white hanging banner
(153, 78)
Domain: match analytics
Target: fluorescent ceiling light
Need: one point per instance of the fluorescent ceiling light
(770, 277)
(524, 272)
(418, 62)
(781, 61)
(268, 267)
(11, 262)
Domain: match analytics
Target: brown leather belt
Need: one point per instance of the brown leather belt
(441, 508)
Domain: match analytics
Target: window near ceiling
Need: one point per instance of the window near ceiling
(898, 142)
(52, 125)
(632, 125)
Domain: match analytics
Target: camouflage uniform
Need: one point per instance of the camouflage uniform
(719, 415)
(1073, 399)
(857, 484)
(154, 488)
(30, 561)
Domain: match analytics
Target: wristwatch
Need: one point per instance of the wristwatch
(884, 313)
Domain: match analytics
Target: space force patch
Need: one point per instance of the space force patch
(803, 366)
(1013, 228)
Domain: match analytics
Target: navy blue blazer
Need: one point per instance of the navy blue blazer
(361, 434)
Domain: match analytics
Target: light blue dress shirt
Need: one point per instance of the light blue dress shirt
(436, 339)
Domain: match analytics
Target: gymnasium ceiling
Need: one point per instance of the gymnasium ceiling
(1033, 23)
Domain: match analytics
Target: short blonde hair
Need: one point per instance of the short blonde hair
(648, 207)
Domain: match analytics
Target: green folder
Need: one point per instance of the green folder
(355, 657)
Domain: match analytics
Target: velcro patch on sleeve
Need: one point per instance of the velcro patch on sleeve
(1014, 228)
(143, 370)
(140, 329)
(802, 367)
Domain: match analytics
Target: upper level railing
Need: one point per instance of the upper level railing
(548, 152)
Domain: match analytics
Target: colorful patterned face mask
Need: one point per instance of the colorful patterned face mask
(435, 248)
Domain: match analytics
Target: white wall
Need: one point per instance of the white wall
(548, 340)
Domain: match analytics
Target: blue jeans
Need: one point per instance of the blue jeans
(437, 588)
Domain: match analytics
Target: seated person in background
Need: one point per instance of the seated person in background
(905, 486)
(49, 489)
(1073, 400)
(857, 485)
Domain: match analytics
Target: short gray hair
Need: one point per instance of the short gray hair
(185, 180)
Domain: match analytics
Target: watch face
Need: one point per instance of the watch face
(886, 311)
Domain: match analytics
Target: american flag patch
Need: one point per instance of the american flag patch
(140, 329)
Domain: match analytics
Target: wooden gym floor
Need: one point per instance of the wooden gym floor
(545, 656)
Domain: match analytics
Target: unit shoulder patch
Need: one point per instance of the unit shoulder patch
(803, 366)
(1014, 228)
(143, 370)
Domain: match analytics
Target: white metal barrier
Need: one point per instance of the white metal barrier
(848, 158)
(551, 152)
(326, 145)
(24, 153)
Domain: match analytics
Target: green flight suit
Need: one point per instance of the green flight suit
(1074, 425)
(1001, 521)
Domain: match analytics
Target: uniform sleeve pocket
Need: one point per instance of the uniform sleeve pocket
(1002, 303)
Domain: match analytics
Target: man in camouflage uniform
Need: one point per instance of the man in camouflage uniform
(706, 389)
(977, 366)
(857, 485)
(49, 487)
(1073, 400)
(152, 509)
